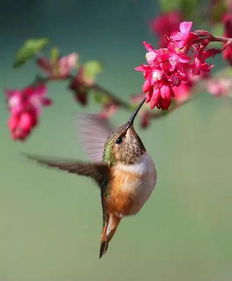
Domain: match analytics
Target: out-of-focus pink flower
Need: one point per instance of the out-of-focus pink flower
(109, 109)
(219, 86)
(182, 92)
(180, 63)
(227, 54)
(59, 68)
(25, 107)
(145, 118)
(80, 86)
(165, 24)
(228, 4)
(227, 21)
(136, 98)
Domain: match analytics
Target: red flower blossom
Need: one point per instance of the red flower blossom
(227, 20)
(59, 68)
(180, 63)
(184, 37)
(164, 70)
(145, 118)
(109, 109)
(165, 24)
(25, 107)
(199, 64)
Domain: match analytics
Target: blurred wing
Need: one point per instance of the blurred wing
(93, 131)
(98, 171)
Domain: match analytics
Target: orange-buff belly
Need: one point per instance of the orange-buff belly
(128, 192)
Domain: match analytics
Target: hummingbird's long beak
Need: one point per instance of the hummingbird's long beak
(132, 118)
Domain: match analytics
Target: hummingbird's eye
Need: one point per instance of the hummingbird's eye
(119, 140)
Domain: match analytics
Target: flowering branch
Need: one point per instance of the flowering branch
(117, 100)
(96, 87)
(170, 74)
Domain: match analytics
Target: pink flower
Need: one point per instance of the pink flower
(219, 86)
(60, 68)
(165, 24)
(25, 107)
(227, 54)
(227, 20)
(160, 97)
(136, 98)
(199, 64)
(109, 109)
(20, 125)
(173, 70)
(228, 4)
(184, 37)
(145, 118)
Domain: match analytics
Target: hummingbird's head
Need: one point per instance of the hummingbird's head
(124, 145)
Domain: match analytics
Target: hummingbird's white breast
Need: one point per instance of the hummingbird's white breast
(144, 165)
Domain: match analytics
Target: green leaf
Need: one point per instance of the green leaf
(92, 68)
(29, 49)
(54, 54)
(169, 5)
(218, 11)
(217, 29)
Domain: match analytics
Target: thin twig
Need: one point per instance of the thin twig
(116, 99)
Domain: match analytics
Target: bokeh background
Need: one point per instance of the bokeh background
(50, 222)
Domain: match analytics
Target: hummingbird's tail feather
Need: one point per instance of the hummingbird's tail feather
(103, 248)
(108, 231)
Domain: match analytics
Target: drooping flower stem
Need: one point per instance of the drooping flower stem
(222, 39)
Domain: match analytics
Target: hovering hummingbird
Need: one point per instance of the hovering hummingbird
(120, 166)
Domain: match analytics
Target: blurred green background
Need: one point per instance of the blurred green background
(50, 222)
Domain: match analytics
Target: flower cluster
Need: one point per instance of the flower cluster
(108, 109)
(170, 73)
(179, 64)
(25, 107)
(58, 68)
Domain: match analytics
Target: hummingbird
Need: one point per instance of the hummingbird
(122, 168)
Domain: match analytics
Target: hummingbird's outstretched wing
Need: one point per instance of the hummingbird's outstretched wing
(93, 132)
(98, 171)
